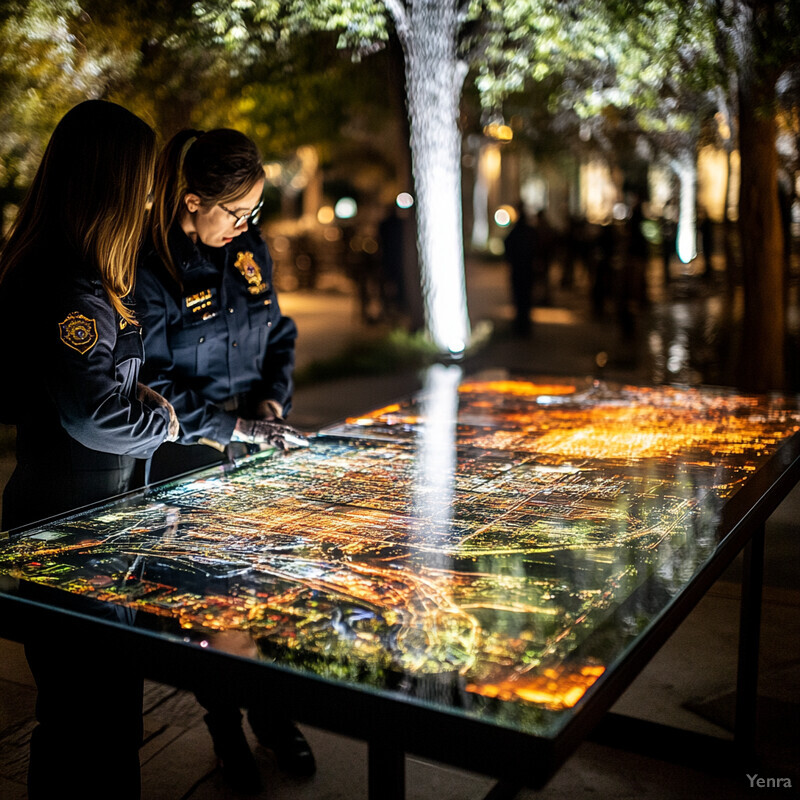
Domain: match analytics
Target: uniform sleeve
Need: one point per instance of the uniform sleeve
(96, 400)
(199, 418)
(276, 376)
(277, 383)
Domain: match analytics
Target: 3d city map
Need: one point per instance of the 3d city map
(511, 538)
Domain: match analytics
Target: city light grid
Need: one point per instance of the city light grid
(574, 513)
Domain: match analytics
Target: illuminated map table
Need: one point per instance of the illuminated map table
(473, 575)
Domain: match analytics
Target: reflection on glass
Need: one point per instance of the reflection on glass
(436, 454)
(684, 344)
(492, 547)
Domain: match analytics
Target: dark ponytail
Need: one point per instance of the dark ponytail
(218, 166)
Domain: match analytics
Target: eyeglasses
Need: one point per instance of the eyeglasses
(241, 219)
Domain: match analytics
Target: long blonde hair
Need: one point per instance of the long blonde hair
(218, 166)
(90, 194)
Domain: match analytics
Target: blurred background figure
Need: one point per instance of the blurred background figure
(632, 289)
(602, 250)
(391, 240)
(706, 227)
(669, 239)
(520, 248)
(573, 249)
(542, 259)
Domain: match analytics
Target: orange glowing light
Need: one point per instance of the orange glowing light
(366, 418)
(516, 388)
(554, 689)
(641, 432)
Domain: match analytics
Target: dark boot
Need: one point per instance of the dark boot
(239, 768)
(292, 751)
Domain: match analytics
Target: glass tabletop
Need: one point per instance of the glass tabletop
(488, 548)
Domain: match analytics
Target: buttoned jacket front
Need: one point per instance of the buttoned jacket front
(216, 345)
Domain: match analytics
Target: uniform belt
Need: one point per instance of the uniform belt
(232, 403)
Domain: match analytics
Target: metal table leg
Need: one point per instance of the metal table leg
(504, 791)
(387, 762)
(744, 731)
(386, 771)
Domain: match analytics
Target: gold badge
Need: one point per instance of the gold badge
(246, 264)
(78, 332)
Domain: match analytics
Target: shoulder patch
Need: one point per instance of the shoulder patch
(247, 265)
(78, 332)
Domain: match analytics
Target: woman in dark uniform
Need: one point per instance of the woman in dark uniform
(219, 349)
(71, 351)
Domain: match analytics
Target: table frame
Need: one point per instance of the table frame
(393, 728)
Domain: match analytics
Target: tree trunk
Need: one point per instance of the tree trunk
(762, 361)
(434, 78)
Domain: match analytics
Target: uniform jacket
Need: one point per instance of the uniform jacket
(218, 345)
(72, 363)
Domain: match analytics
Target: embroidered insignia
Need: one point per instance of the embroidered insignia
(246, 264)
(78, 332)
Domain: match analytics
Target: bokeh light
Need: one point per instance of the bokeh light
(345, 208)
(325, 215)
(404, 200)
(505, 216)
(502, 133)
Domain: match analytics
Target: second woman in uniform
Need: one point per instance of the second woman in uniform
(220, 350)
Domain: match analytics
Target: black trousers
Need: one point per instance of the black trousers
(89, 719)
(89, 700)
(55, 480)
(172, 460)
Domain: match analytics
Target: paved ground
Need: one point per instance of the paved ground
(688, 684)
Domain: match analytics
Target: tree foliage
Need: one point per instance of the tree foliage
(662, 66)
(164, 63)
(52, 56)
